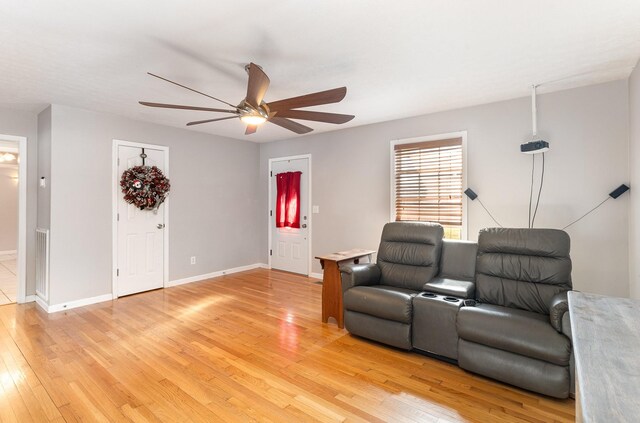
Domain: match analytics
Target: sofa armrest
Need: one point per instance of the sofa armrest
(451, 287)
(558, 306)
(359, 274)
(566, 325)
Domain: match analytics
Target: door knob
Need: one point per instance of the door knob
(304, 225)
(160, 225)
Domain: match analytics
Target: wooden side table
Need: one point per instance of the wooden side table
(331, 282)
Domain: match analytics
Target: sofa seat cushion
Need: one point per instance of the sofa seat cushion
(386, 302)
(450, 287)
(517, 331)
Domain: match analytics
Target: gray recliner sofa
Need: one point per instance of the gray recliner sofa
(378, 298)
(497, 307)
(515, 332)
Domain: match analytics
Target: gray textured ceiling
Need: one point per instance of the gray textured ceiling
(398, 59)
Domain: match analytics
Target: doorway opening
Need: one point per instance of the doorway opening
(13, 175)
(290, 217)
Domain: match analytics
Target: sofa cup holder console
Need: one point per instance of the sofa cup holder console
(434, 329)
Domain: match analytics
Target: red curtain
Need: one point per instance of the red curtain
(288, 200)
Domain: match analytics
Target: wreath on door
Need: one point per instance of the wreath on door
(146, 187)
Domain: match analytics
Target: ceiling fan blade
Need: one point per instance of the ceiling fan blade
(290, 125)
(257, 86)
(251, 129)
(191, 89)
(323, 97)
(177, 106)
(315, 116)
(198, 122)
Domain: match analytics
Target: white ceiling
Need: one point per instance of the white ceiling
(397, 59)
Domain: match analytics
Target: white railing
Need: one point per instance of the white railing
(42, 263)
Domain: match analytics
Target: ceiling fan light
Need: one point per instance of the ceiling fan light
(253, 119)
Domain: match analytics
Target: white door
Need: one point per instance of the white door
(290, 246)
(140, 232)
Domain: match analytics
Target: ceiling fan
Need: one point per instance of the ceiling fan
(254, 111)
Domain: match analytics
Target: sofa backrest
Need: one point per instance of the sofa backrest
(458, 259)
(409, 253)
(522, 268)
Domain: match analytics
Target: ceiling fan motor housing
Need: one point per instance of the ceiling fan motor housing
(246, 109)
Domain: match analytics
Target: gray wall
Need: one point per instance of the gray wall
(634, 164)
(587, 129)
(8, 208)
(24, 124)
(44, 168)
(214, 200)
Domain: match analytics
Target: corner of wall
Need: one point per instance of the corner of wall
(44, 167)
(634, 181)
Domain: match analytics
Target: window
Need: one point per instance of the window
(428, 183)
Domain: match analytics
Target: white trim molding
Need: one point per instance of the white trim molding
(205, 276)
(22, 215)
(72, 304)
(436, 137)
(42, 304)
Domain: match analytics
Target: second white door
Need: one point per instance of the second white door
(140, 232)
(290, 246)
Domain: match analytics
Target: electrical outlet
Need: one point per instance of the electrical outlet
(193, 260)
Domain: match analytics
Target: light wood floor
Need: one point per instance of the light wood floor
(243, 347)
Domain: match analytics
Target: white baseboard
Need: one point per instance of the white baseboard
(108, 297)
(42, 304)
(73, 304)
(30, 298)
(216, 274)
(311, 275)
(7, 252)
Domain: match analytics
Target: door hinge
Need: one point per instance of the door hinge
(118, 217)
(117, 272)
(118, 161)
(270, 212)
(270, 252)
(270, 173)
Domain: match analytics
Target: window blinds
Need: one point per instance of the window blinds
(428, 179)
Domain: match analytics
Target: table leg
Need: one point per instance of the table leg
(332, 293)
